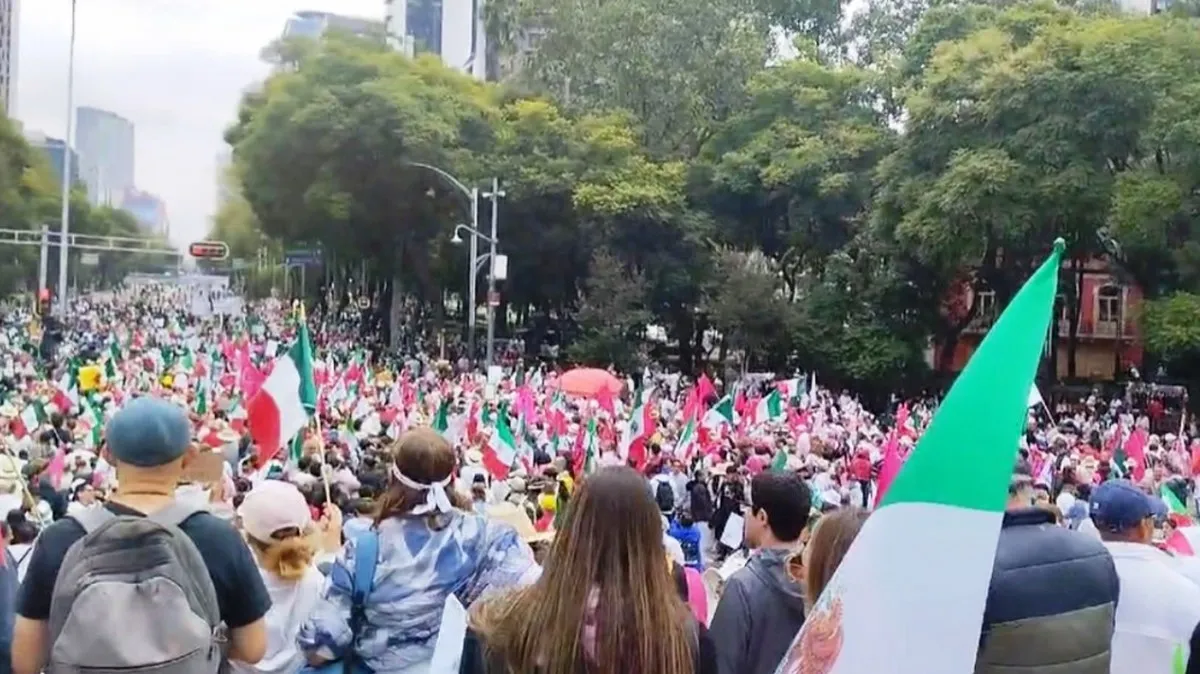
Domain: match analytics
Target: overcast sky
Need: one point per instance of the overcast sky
(176, 68)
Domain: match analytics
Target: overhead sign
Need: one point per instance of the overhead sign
(89, 259)
(209, 250)
(303, 256)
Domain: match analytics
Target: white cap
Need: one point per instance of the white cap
(273, 505)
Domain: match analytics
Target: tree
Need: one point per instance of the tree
(792, 174)
(989, 172)
(677, 65)
(611, 315)
(750, 306)
(325, 156)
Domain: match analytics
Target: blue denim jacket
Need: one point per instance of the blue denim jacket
(417, 568)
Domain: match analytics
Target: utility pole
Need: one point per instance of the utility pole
(44, 259)
(472, 277)
(495, 195)
(61, 295)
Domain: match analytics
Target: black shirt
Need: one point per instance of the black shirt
(241, 595)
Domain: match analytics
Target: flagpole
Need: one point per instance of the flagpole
(321, 446)
(300, 315)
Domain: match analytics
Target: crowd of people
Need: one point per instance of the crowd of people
(432, 519)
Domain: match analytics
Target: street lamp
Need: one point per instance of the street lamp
(473, 195)
(61, 295)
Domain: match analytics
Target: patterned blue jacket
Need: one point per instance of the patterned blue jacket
(418, 568)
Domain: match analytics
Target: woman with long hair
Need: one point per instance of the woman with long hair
(605, 603)
(827, 547)
(431, 543)
(286, 543)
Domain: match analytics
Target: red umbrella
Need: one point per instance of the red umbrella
(588, 381)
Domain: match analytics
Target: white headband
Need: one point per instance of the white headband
(436, 499)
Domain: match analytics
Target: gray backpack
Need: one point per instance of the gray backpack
(134, 595)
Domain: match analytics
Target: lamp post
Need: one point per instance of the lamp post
(472, 194)
(66, 176)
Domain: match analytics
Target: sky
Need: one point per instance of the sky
(175, 68)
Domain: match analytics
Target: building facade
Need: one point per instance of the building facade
(10, 29)
(315, 24)
(55, 151)
(1108, 342)
(451, 29)
(105, 142)
(149, 210)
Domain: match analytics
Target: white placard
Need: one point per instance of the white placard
(447, 654)
(735, 529)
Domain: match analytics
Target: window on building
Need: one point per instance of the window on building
(1108, 304)
(1062, 314)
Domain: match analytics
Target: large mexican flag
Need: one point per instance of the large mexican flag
(281, 408)
(910, 594)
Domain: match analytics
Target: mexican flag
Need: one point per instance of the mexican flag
(721, 413)
(501, 450)
(280, 409)
(201, 402)
(1173, 503)
(33, 416)
(900, 570)
(591, 447)
(641, 425)
(687, 444)
(441, 421)
(769, 408)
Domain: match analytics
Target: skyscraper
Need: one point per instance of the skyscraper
(105, 144)
(10, 28)
(452, 29)
(314, 24)
(149, 211)
(55, 151)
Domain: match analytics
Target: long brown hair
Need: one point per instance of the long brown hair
(423, 456)
(828, 545)
(611, 544)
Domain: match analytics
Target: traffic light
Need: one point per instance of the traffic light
(209, 250)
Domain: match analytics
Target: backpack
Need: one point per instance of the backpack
(134, 595)
(664, 496)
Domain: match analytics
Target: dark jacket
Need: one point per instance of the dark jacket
(760, 612)
(8, 598)
(1051, 602)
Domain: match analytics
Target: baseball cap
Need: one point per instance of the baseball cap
(1118, 505)
(148, 432)
(273, 505)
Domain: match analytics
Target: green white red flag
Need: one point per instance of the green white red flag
(899, 570)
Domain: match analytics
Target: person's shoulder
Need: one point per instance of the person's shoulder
(61, 533)
(207, 530)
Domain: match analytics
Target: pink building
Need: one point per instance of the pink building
(1107, 330)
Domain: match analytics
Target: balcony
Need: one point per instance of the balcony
(1088, 329)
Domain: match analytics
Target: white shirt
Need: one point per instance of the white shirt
(291, 605)
(1157, 612)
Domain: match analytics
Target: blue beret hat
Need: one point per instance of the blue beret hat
(148, 432)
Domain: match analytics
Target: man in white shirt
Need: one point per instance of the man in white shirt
(1158, 607)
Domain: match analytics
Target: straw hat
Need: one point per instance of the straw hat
(515, 517)
(473, 457)
(7, 411)
(228, 435)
